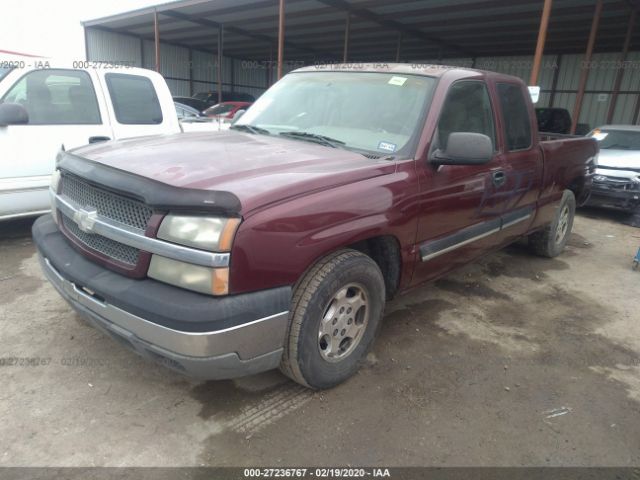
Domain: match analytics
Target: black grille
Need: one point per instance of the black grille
(104, 245)
(110, 205)
(614, 184)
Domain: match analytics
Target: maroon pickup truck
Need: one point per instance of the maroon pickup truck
(278, 242)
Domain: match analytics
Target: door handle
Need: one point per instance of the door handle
(98, 139)
(499, 178)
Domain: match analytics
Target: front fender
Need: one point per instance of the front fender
(277, 245)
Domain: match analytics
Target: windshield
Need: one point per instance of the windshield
(4, 71)
(219, 109)
(617, 139)
(372, 112)
(201, 95)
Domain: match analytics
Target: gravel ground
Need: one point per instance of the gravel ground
(513, 360)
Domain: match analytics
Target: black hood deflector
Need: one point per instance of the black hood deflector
(156, 194)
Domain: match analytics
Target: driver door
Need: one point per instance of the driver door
(460, 204)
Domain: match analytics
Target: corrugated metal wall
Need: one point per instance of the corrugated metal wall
(185, 78)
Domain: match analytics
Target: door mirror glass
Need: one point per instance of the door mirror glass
(13, 114)
(464, 148)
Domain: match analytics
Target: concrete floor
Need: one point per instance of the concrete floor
(514, 360)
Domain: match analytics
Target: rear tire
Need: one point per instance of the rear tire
(551, 241)
(336, 313)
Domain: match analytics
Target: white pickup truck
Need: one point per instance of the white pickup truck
(46, 108)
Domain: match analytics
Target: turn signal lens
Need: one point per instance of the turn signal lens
(220, 283)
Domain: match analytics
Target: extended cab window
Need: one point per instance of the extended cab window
(56, 97)
(466, 109)
(134, 99)
(516, 116)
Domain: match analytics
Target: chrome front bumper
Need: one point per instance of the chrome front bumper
(240, 350)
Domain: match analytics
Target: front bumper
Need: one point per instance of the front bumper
(201, 336)
(623, 200)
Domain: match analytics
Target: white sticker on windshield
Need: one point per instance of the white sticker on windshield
(387, 147)
(600, 136)
(399, 81)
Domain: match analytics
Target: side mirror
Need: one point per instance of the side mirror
(13, 114)
(464, 148)
(237, 115)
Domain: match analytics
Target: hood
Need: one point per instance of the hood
(619, 159)
(258, 169)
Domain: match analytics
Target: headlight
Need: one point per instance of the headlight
(211, 281)
(55, 185)
(207, 233)
(213, 234)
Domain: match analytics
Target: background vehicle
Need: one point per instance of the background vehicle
(185, 112)
(211, 97)
(191, 120)
(194, 103)
(558, 120)
(617, 181)
(45, 109)
(226, 110)
(282, 248)
(554, 120)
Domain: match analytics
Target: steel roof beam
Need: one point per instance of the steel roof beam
(236, 30)
(393, 24)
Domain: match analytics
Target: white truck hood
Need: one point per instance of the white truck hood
(619, 160)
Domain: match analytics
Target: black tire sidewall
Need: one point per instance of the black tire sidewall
(318, 372)
(568, 199)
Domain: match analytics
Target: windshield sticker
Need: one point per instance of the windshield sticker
(399, 81)
(599, 136)
(387, 147)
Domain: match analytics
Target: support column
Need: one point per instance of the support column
(347, 31)
(584, 75)
(636, 111)
(542, 38)
(620, 72)
(269, 70)
(156, 39)
(190, 72)
(86, 44)
(554, 82)
(220, 61)
(280, 39)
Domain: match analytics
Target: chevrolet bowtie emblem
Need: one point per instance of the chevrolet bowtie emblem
(86, 219)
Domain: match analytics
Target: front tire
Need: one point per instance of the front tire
(336, 313)
(551, 241)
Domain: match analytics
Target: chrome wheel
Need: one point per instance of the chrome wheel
(563, 224)
(343, 323)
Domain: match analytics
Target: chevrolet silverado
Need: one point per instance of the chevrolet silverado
(278, 242)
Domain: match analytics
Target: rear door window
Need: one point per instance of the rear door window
(134, 99)
(56, 97)
(516, 116)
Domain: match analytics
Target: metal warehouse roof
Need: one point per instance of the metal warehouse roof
(315, 29)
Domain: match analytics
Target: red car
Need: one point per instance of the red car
(226, 110)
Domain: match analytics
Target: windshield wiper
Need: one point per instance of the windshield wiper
(250, 129)
(313, 137)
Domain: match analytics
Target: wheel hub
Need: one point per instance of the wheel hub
(343, 323)
(563, 224)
